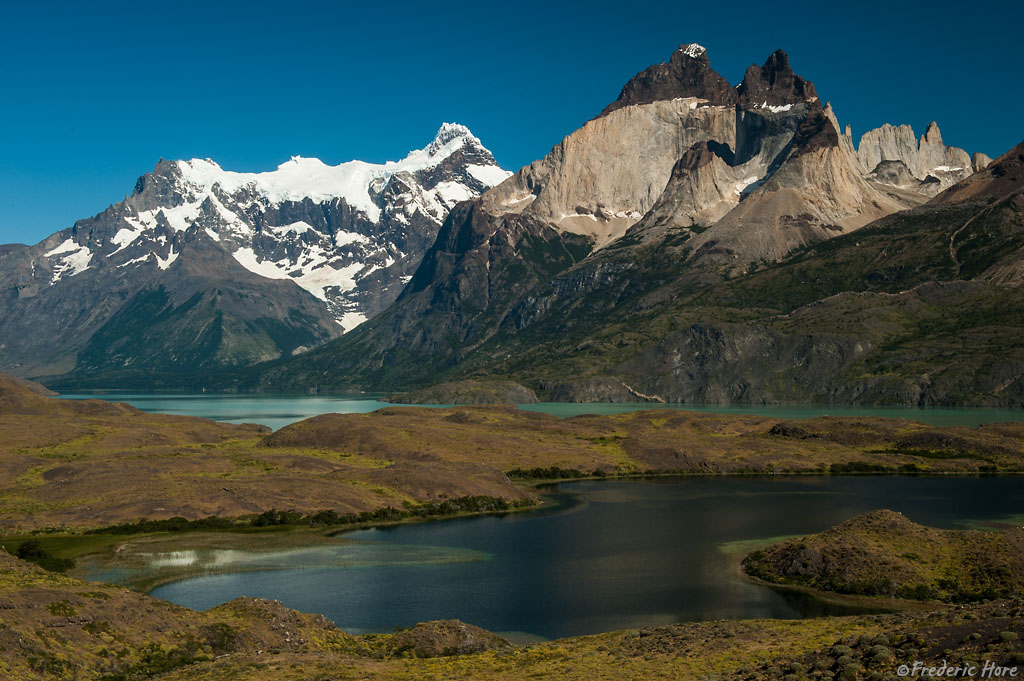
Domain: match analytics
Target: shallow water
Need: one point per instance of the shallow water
(608, 555)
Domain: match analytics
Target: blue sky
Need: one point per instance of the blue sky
(93, 94)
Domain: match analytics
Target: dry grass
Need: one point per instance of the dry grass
(91, 463)
(54, 627)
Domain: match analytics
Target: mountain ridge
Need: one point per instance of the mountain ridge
(316, 249)
(610, 268)
(582, 334)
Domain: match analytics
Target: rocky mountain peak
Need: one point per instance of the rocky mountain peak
(980, 161)
(932, 135)
(449, 133)
(692, 50)
(934, 164)
(774, 83)
(688, 73)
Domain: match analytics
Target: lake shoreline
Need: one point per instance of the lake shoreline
(868, 604)
(184, 540)
(267, 540)
(837, 609)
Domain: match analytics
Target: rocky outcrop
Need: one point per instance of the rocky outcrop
(720, 364)
(815, 193)
(596, 389)
(889, 143)
(881, 554)
(703, 187)
(602, 178)
(894, 173)
(935, 165)
(687, 75)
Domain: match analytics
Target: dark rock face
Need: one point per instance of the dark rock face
(700, 155)
(593, 389)
(758, 133)
(466, 289)
(687, 74)
(726, 364)
(200, 312)
(816, 132)
(774, 84)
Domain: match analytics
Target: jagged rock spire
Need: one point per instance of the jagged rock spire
(774, 83)
(689, 74)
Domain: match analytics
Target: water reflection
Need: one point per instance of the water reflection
(810, 606)
(608, 555)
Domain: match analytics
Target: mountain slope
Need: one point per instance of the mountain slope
(681, 184)
(921, 307)
(339, 243)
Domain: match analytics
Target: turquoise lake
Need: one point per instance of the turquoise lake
(277, 411)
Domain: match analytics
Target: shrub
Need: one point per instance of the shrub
(33, 551)
(62, 609)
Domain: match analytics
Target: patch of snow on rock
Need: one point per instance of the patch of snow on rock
(776, 108)
(314, 274)
(450, 193)
(71, 258)
(351, 320)
(164, 263)
(125, 237)
(491, 176)
(743, 184)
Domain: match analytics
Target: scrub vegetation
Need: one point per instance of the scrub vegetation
(882, 553)
(76, 466)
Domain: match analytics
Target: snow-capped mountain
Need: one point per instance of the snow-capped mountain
(347, 236)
